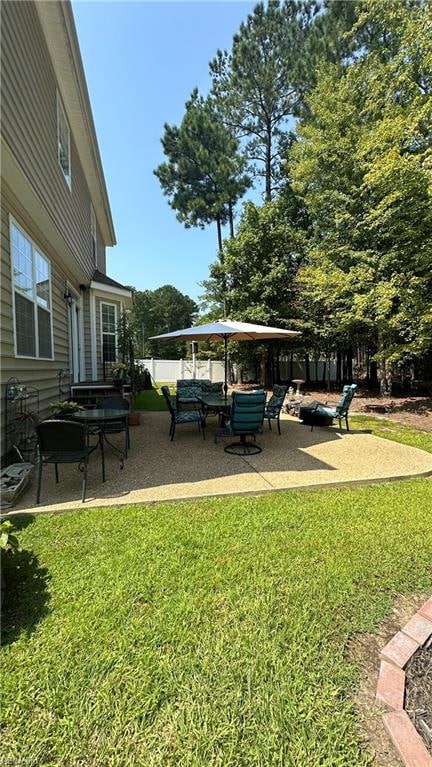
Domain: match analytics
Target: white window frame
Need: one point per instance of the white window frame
(33, 298)
(108, 303)
(61, 110)
(93, 233)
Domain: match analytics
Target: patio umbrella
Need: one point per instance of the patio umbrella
(224, 330)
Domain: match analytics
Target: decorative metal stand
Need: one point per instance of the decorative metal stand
(21, 418)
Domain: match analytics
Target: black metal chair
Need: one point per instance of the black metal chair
(63, 442)
(116, 427)
(182, 416)
(274, 405)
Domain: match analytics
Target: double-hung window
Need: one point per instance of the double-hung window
(63, 141)
(31, 278)
(109, 332)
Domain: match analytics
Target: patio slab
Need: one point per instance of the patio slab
(160, 470)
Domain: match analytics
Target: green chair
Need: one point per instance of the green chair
(246, 420)
(274, 405)
(182, 416)
(341, 409)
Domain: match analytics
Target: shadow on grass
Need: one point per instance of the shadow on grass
(26, 594)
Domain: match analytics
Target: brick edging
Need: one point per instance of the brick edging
(391, 687)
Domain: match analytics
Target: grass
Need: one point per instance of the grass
(384, 427)
(209, 633)
(152, 399)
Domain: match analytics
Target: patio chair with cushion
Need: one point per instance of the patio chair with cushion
(274, 405)
(189, 391)
(246, 420)
(321, 412)
(182, 416)
(116, 427)
(63, 442)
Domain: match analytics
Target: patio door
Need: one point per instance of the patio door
(75, 338)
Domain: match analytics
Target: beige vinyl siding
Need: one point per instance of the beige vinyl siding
(29, 126)
(35, 372)
(101, 252)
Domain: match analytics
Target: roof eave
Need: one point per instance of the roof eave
(62, 40)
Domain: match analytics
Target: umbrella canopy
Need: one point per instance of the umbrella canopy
(223, 330)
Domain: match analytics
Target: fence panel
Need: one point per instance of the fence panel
(171, 370)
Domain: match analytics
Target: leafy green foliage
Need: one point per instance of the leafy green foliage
(204, 174)
(160, 311)
(8, 540)
(363, 167)
(256, 84)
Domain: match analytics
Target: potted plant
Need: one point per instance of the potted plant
(64, 409)
(119, 373)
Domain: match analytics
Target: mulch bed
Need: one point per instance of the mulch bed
(418, 702)
(407, 410)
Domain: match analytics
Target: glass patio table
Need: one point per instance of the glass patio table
(221, 406)
(102, 418)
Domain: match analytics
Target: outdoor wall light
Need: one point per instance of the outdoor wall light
(67, 296)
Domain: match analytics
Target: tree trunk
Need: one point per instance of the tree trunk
(324, 371)
(349, 354)
(307, 368)
(328, 374)
(291, 364)
(231, 219)
(219, 233)
(268, 163)
(384, 374)
(338, 368)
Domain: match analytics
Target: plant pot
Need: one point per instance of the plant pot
(134, 418)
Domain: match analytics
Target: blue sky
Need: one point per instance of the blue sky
(142, 60)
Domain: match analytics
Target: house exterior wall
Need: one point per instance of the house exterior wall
(29, 127)
(34, 372)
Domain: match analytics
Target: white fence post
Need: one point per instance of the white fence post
(181, 368)
(152, 368)
(209, 370)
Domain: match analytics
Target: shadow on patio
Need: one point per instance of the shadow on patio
(158, 469)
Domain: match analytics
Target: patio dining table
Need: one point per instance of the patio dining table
(212, 403)
(102, 418)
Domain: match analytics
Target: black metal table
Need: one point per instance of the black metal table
(101, 417)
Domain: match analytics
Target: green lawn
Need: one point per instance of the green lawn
(153, 399)
(209, 633)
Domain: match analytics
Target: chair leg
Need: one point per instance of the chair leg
(128, 436)
(172, 430)
(84, 482)
(269, 423)
(203, 429)
(56, 472)
(278, 424)
(101, 445)
(346, 421)
(39, 480)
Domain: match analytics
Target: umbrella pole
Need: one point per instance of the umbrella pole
(226, 365)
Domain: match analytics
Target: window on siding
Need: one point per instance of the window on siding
(63, 141)
(109, 335)
(32, 297)
(93, 234)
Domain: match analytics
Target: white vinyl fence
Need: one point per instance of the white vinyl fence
(171, 370)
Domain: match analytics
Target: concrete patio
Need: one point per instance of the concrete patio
(160, 470)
